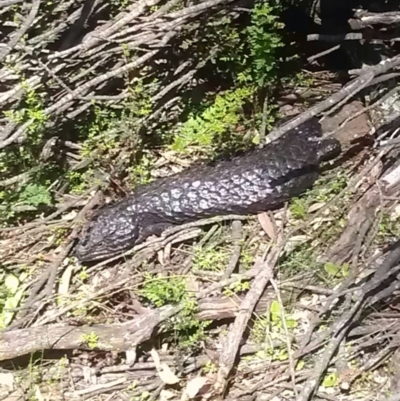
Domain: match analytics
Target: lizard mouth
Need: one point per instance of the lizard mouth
(81, 253)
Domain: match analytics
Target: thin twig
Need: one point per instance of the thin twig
(5, 50)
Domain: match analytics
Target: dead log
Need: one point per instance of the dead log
(111, 337)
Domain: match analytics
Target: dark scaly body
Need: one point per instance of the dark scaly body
(257, 181)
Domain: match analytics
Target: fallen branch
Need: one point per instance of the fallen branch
(351, 89)
(232, 341)
(117, 337)
(363, 19)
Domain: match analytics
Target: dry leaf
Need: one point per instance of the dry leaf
(38, 393)
(7, 380)
(166, 395)
(192, 284)
(267, 225)
(167, 375)
(156, 357)
(65, 280)
(69, 216)
(163, 370)
(194, 386)
(395, 214)
(131, 356)
(295, 241)
(316, 206)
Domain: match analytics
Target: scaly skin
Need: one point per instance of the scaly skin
(256, 181)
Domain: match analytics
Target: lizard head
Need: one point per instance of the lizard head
(328, 148)
(110, 232)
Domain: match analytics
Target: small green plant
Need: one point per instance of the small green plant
(276, 317)
(101, 136)
(60, 234)
(107, 131)
(331, 380)
(163, 291)
(213, 259)
(35, 195)
(91, 340)
(188, 330)
(236, 288)
(301, 258)
(210, 367)
(11, 292)
(33, 109)
(247, 257)
(334, 270)
(326, 188)
(272, 324)
(298, 208)
(322, 191)
(270, 328)
(263, 40)
(388, 229)
(209, 129)
(139, 173)
(139, 104)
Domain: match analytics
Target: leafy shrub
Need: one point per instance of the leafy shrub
(35, 195)
(206, 130)
(250, 55)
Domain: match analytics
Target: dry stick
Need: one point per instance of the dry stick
(234, 337)
(344, 287)
(393, 398)
(364, 110)
(372, 364)
(177, 83)
(24, 341)
(351, 89)
(362, 233)
(18, 179)
(190, 364)
(27, 228)
(46, 37)
(6, 3)
(162, 10)
(348, 91)
(340, 329)
(324, 53)
(287, 338)
(197, 8)
(323, 363)
(104, 32)
(17, 91)
(263, 128)
(385, 77)
(44, 336)
(49, 276)
(342, 37)
(366, 18)
(390, 180)
(85, 13)
(55, 108)
(17, 134)
(387, 292)
(378, 69)
(323, 336)
(22, 30)
(339, 104)
(237, 232)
